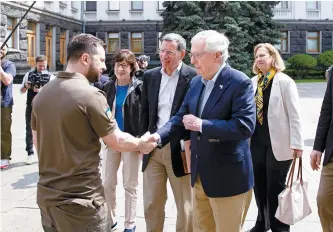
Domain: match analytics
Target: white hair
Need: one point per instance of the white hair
(214, 42)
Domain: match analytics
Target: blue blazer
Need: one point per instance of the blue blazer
(220, 155)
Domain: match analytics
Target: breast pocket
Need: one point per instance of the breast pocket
(231, 158)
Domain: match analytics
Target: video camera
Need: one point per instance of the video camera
(143, 58)
(38, 80)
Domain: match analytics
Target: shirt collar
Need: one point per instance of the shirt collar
(72, 75)
(176, 71)
(215, 76)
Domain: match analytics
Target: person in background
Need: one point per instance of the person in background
(26, 86)
(123, 93)
(277, 138)
(7, 74)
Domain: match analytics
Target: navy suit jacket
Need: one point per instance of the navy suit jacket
(220, 155)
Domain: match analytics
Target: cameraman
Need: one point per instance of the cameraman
(32, 83)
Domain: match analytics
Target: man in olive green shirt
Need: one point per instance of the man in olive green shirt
(69, 117)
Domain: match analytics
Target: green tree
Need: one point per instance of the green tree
(227, 17)
(184, 18)
(262, 27)
(325, 59)
(244, 23)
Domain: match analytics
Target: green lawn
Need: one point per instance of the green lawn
(310, 80)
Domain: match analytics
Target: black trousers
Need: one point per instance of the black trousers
(28, 136)
(269, 181)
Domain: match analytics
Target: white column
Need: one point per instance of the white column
(54, 48)
(38, 39)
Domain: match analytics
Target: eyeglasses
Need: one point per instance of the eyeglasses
(196, 56)
(169, 53)
(123, 66)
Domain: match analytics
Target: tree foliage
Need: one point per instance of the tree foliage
(244, 23)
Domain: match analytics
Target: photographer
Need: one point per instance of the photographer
(32, 82)
(7, 74)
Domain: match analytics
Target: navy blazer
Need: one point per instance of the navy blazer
(221, 153)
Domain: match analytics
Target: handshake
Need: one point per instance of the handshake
(148, 142)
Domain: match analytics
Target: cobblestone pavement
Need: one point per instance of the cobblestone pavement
(19, 212)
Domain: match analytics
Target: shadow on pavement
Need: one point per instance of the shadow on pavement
(28, 181)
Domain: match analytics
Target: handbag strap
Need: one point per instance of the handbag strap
(300, 171)
(292, 170)
(291, 174)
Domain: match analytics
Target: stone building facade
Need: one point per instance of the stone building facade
(307, 27)
(41, 32)
(150, 36)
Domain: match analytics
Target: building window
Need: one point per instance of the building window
(312, 5)
(31, 39)
(91, 6)
(63, 46)
(10, 26)
(283, 5)
(313, 42)
(160, 6)
(137, 5)
(114, 6)
(113, 42)
(136, 42)
(284, 42)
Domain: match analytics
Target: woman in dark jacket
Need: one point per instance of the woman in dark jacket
(123, 92)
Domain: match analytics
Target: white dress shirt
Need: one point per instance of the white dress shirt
(166, 94)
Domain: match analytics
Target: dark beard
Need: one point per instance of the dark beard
(92, 75)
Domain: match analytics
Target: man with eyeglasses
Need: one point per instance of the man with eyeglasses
(219, 111)
(163, 91)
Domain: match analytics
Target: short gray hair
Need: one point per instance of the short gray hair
(214, 42)
(177, 38)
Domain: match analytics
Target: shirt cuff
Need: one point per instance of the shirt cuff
(159, 142)
(201, 127)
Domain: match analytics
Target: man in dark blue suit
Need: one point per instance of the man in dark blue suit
(219, 111)
(324, 142)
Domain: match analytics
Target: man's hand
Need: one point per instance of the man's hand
(315, 159)
(27, 85)
(192, 122)
(297, 153)
(146, 144)
(152, 137)
(36, 90)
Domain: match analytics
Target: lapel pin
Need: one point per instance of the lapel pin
(221, 86)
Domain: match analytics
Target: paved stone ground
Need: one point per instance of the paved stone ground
(19, 212)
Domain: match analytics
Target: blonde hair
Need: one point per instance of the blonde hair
(278, 63)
